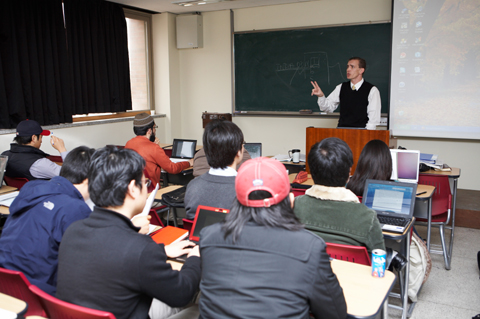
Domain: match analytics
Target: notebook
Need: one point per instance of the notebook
(168, 235)
(392, 201)
(405, 165)
(254, 149)
(183, 150)
(204, 217)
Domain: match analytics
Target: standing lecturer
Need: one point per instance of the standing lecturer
(360, 101)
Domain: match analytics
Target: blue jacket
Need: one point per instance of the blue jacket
(39, 217)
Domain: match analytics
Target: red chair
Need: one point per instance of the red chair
(441, 209)
(187, 224)
(55, 158)
(60, 309)
(15, 284)
(354, 254)
(298, 191)
(155, 219)
(16, 182)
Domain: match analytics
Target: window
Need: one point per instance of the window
(139, 43)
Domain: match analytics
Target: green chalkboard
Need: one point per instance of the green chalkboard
(273, 69)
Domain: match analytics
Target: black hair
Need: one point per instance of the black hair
(24, 140)
(142, 131)
(76, 164)
(111, 171)
(330, 161)
(375, 162)
(362, 64)
(280, 215)
(222, 140)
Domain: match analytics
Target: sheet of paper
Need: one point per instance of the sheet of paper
(7, 199)
(149, 202)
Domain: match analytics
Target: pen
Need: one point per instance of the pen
(421, 193)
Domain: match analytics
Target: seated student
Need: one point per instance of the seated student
(200, 163)
(330, 210)
(39, 217)
(261, 262)
(25, 159)
(223, 144)
(375, 162)
(104, 263)
(146, 144)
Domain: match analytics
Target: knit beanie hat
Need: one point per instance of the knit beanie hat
(142, 120)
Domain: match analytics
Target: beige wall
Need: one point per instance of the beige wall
(205, 80)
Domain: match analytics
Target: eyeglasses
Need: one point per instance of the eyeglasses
(148, 183)
(155, 126)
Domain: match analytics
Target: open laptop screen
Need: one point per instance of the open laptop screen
(204, 217)
(183, 148)
(390, 198)
(3, 166)
(405, 165)
(254, 149)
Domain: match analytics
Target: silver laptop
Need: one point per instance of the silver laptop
(405, 165)
(254, 149)
(183, 150)
(392, 201)
(3, 166)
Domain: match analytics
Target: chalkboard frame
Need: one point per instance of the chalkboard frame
(315, 111)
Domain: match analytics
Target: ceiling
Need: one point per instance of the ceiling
(211, 5)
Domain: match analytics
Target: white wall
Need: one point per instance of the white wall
(94, 136)
(205, 80)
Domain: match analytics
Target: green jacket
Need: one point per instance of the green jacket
(335, 214)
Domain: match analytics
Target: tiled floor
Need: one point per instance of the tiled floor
(451, 293)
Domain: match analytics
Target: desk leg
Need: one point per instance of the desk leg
(406, 273)
(448, 264)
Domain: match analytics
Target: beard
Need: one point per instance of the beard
(152, 137)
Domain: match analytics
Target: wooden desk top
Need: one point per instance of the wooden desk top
(455, 173)
(364, 294)
(7, 189)
(164, 190)
(12, 304)
(429, 189)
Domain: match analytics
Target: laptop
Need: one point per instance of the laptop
(183, 150)
(405, 165)
(392, 201)
(204, 217)
(254, 149)
(3, 167)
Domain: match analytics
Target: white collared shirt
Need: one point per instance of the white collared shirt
(228, 171)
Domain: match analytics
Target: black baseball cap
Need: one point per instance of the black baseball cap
(29, 128)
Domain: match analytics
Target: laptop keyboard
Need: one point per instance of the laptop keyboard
(395, 221)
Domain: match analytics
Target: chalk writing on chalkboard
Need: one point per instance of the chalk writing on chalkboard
(312, 62)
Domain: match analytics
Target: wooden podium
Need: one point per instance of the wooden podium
(355, 138)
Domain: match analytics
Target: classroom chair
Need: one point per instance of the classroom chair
(17, 182)
(60, 309)
(298, 191)
(354, 254)
(441, 210)
(15, 284)
(187, 224)
(55, 158)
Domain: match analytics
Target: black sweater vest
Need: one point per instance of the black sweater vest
(353, 105)
(20, 158)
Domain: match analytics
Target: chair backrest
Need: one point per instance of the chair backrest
(17, 182)
(442, 197)
(354, 254)
(60, 309)
(15, 284)
(55, 158)
(298, 192)
(187, 224)
(155, 219)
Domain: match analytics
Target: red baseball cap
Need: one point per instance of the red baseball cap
(29, 128)
(262, 173)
